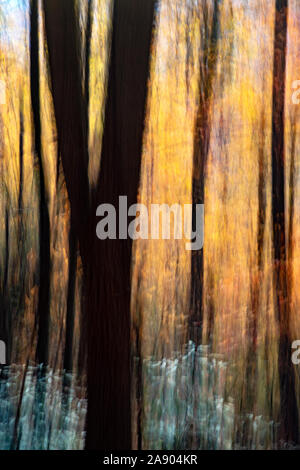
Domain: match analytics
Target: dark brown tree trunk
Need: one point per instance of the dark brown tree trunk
(6, 321)
(207, 68)
(21, 237)
(256, 275)
(82, 353)
(249, 392)
(68, 352)
(109, 334)
(63, 41)
(292, 182)
(43, 310)
(288, 404)
(262, 201)
(88, 36)
(107, 263)
(21, 159)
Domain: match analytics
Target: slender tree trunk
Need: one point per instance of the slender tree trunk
(4, 300)
(21, 159)
(256, 277)
(262, 198)
(208, 62)
(68, 352)
(21, 237)
(70, 317)
(292, 191)
(288, 404)
(43, 310)
(88, 36)
(106, 263)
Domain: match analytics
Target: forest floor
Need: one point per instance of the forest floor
(185, 406)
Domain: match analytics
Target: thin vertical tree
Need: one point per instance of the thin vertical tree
(88, 37)
(106, 263)
(6, 310)
(256, 266)
(209, 34)
(289, 425)
(70, 316)
(73, 243)
(43, 309)
(21, 156)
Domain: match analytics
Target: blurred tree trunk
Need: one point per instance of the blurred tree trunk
(288, 431)
(21, 232)
(292, 182)
(88, 37)
(207, 69)
(5, 310)
(21, 158)
(261, 224)
(43, 310)
(256, 265)
(68, 359)
(70, 317)
(107, 263)
(81, 364)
